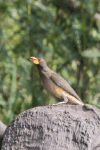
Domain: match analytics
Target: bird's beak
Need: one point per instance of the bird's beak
(34, 60)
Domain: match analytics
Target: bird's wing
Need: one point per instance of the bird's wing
(58, 80)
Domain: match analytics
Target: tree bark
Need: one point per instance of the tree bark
(54, 127)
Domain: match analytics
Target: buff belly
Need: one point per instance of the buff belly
(52, 89)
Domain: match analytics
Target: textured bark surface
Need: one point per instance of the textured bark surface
(59, 127)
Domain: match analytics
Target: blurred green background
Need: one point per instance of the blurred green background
(65, 33)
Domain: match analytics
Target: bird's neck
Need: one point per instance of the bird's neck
(42, 68)
(39, 67)
(44, 71)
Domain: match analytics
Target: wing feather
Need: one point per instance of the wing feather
(61, 82)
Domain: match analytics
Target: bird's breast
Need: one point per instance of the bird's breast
(52, 88)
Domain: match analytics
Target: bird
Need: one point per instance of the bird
(54, 84)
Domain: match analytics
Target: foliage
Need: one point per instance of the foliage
(66, 35)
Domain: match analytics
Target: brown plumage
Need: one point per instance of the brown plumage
(54, 84)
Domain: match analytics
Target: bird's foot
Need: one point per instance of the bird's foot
(64, 96)
(59, 103)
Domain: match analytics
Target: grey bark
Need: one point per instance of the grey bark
(58, 127)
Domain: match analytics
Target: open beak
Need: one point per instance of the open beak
(34, 60)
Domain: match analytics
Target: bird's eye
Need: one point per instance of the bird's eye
(41, 60)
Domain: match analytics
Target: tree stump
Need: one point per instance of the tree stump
(55, 127)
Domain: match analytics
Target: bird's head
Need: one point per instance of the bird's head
(40, 62)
